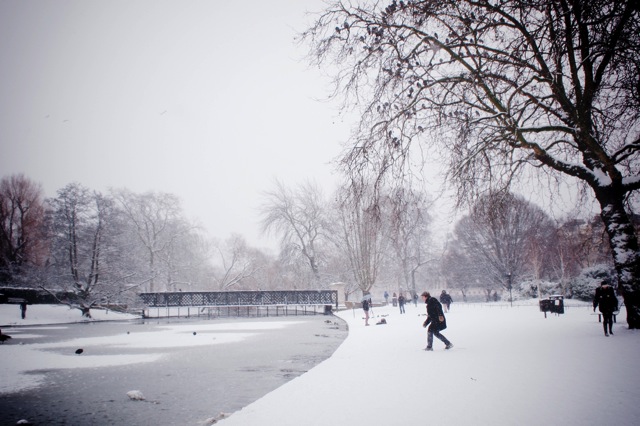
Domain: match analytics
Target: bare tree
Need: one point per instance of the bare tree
(460, 272)
(159, 225)
(299, 218)
(502, 88)
(362, 231)
(81, 220)
(22, 235)
(234, 263)
(409, 233)
(564, 259)
(499, 237)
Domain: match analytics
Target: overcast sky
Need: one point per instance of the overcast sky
(208, 100)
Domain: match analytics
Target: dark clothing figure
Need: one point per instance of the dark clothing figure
(415, 299)
(394, 300)
(386, 297)
(401, 302)
(607, 302)
(4, 337)
(23, 309)
(446, 300)
(366, 304)
(435, 320)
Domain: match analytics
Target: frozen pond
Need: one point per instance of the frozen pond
(188, 371)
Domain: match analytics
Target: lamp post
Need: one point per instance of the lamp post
(509, 287)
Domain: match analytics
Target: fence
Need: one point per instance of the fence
(239, 303)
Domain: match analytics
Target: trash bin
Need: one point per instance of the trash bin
(557, 304)
(554, 304)
(545, 305)
(328, 309)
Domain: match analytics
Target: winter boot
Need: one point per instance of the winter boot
(449, 345)
(428, 348)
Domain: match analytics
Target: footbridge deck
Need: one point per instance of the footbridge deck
(242, 303)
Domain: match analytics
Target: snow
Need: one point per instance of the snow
(508, 366)
(53, 314)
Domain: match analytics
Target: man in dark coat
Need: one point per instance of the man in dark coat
(435, 320)
(445, 300)
(401, 302)
(23, 309)
(366, 305)
(606, 299)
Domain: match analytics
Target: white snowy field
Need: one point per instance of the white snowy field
(509, 366)
(52, 314)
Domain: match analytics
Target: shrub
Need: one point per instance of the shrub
(584, 285)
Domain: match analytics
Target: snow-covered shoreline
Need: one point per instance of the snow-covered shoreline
(509, 366)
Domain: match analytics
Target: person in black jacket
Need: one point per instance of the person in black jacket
(23, 309)
(366, 305)
(445, 300)
(401, 302)
(606, 299)
(435, 320)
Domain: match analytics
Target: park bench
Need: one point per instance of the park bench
(615, 313)
(599, 314)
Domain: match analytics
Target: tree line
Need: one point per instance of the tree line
(99, 249)
(386, 241)
(103, 249)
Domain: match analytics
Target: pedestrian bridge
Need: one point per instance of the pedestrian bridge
(240, 303)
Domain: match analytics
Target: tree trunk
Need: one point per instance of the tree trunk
(624, 246)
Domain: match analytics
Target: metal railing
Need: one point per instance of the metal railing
(241, 298)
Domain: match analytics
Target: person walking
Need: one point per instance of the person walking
(605, 298)
(445, 300)
(23, 309)
(435, 321)
(366, 305)
(401, 302)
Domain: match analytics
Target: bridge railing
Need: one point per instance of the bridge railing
(241, 298)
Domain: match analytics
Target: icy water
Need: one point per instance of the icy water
(186, 386)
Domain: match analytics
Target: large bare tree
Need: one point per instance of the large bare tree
(362, 233)
(80, 246)
(500, 238)
(234, 263)
(298, 217)
(22, 236)
(409, 233)
(502, 88)
(159, 226)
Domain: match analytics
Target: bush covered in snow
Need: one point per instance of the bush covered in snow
(529, 289)
(584, 285)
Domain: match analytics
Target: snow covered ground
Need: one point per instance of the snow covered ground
(509, 366)
(52, 314)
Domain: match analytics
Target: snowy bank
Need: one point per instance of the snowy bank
(509, 366)
(54, 314)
